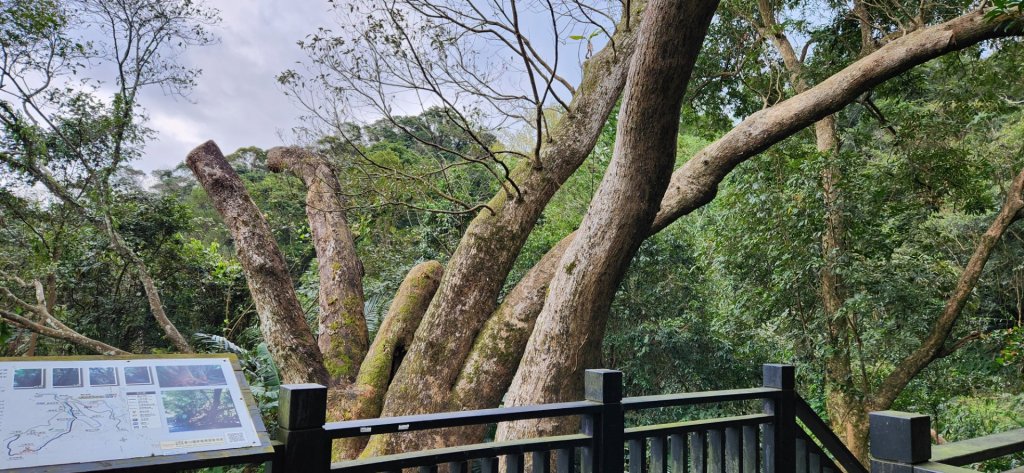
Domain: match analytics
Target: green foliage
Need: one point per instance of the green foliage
(923, 166)
(969, 417)
(1003, 8)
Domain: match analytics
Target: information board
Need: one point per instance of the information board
(56, 412)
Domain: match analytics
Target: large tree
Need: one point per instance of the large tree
(59, 133)
(455, 338)
(467, 346)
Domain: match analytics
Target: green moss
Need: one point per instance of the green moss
(337, 360)
(378, 368)
(339, 365)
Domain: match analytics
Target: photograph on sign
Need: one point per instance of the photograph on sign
(137, 375)
(187, 376)
(29, 379)
(199, 409)
(67, 377)
(104, 376)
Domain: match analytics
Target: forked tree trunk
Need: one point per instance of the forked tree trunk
(342, 335)
(933, 346)
(854, 408)
(477, 271)
(696, 183)
(282, 321)
(568, 333)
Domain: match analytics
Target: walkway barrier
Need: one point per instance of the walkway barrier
(901, 442)
(769, 440)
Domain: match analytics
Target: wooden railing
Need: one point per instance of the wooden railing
(768, 440)
(902, 442)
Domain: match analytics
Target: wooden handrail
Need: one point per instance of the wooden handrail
(706, 397)
(387, 425)
(660, 430)
(827, 437)
(979, 449)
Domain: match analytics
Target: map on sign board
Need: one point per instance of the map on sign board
(60, 412)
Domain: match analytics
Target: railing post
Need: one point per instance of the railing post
(302, 411)
(606, 427)
(898, 441)
(780, 436)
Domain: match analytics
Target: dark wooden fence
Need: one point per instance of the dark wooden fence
(902, 442)
(769, 440)
(782, 434)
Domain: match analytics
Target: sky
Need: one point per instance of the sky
(237, 101)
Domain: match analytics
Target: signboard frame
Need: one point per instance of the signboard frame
(255, 454)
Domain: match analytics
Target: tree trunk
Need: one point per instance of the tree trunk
(50, 294)
(496, 353)
(844, 401)
(282, 321)
(365, 398)
(569, 329)
(696, 183)
(480, 265)
(342, 336)
(848, 409)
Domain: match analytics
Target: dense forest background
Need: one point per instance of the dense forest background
(923, 165)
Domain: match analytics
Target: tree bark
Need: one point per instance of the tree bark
(696, 183)
(282, 321)
(477, 270)
(495, 355)
(342, 335)
(569, 329)
(365, 399)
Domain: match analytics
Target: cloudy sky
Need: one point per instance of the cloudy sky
(237, 102)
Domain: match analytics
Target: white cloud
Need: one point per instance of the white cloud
(173, 128)
(237, 101)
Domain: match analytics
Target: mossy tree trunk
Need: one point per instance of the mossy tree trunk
(342, 335)
(476, 273)
(462, 347)
(365, 398)
(282, 321)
